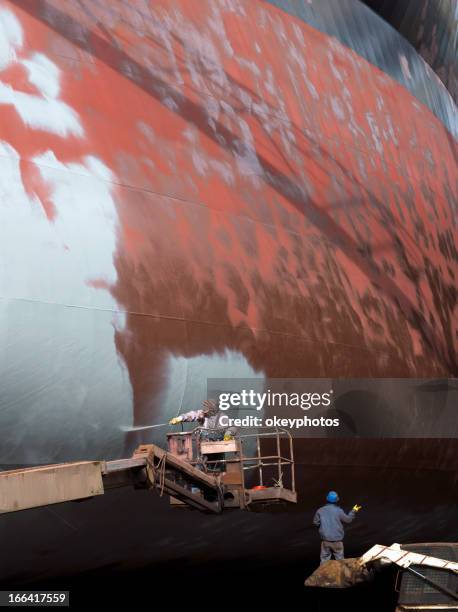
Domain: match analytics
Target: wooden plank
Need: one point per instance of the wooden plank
(50, 484)
(223, 446)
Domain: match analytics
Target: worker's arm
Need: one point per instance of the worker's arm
(187, 417)
(347, 518)
(316, 519)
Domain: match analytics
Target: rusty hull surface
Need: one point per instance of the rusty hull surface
(269, 200)
(194, 188)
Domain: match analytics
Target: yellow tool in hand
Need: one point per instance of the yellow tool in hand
(356, 508)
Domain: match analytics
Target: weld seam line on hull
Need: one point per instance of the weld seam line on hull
(389, 165)
(321, 237)
(185, 320)
(368, 156)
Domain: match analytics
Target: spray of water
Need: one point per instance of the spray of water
(142, 427)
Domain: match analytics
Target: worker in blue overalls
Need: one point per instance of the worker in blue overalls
(330, 520)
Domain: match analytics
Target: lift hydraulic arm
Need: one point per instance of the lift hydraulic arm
(149, 467)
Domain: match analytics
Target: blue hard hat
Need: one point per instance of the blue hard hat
(332, 497)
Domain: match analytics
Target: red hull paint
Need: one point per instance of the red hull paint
(276, 194)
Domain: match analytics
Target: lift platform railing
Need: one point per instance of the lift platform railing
(270, 475)
(259, 462)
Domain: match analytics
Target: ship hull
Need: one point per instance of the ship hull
(201, 189)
